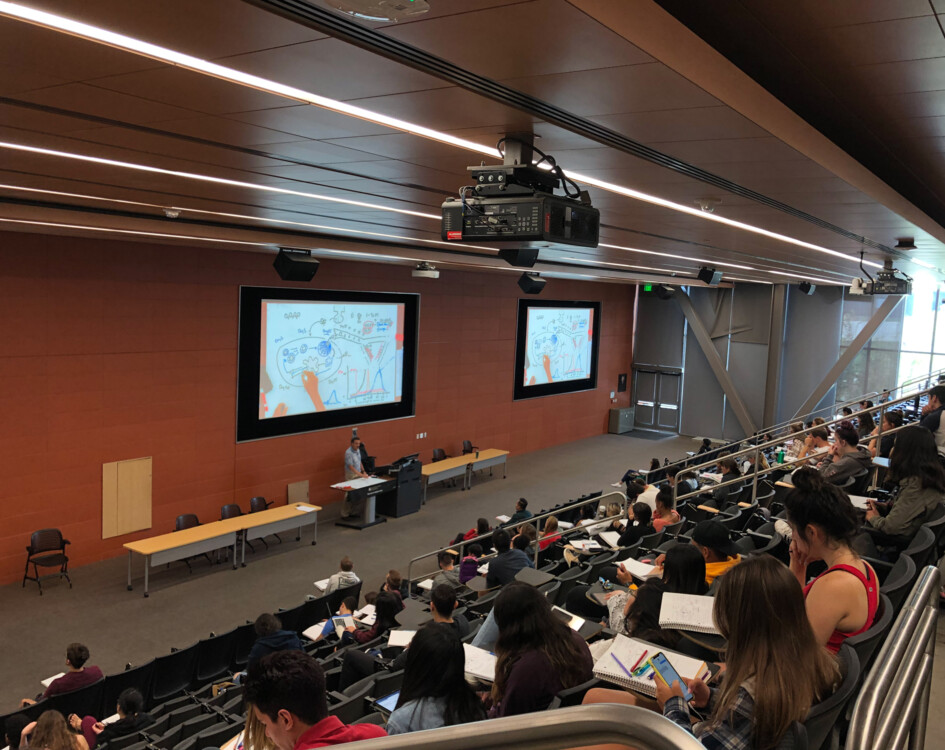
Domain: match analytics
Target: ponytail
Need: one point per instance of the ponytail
(815, 501)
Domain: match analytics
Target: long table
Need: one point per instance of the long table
(208, 537)
(464, 466)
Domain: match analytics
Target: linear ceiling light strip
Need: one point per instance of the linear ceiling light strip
(548, 113)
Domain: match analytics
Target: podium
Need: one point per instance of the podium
(398, 494)
(404, 498)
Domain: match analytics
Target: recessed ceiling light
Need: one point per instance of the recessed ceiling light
(209, 178)
(156, 52)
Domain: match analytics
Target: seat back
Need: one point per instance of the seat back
(732, 522)
(243, 644)
(291, 618)
(192, 726)
(651, 541)
(439, 454)
(257, 504)
(861, 481)
(214, 655)
(674, 528)
(866, 643)
(483, 605)
(571, 578)
(217, 735)
(46, 540)
(822, 717)
(83, 701)
(314, 611)
(173, 673)
(936, 524)
(899, 580)
(337, 597)
(573, 696)
(598, 562)
(922, 548)
(186, 521)
(230, 510)
(550, 590)
(467, 446)
(115, 684)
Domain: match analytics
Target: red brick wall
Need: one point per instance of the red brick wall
(112, 350)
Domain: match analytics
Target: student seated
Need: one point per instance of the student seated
(537, 654)
(51, 732)
(883, 447)
(529, 536)
(520, 514)
(347, 607)
(287, 692)
(386, 608)
(549, 534)
(78, 674)
(482, 528)
(918, 482)
(715, 543)
(131, 718)
(394, 583)
(729, 470)
(344, 577)
(508, 562)
(449, 573)
(270, 637)
(434, 692)
(815, 445)
(664, 514)
(775, 669)
(846, 456)
(442, 607)
(469, 566)
(639, 524)
(12, 729)
(843, 600)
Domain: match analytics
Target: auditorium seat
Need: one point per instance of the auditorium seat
(922, 548)
(217, 735)
(291, 619)
(245, 638)
(571, 578)
(173, 673)
(822, 719)
(550, 590)
(214, 655)
(137, 677)
(865, 644)
(85, 701)
(896, 580)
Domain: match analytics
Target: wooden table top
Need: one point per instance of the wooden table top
(216, 529)
(456, 461)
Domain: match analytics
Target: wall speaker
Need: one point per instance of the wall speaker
(523, 257)
(664, 291)
(531, 283)
(710, 276)
(622, 382)
(807, 288)
(295, 265)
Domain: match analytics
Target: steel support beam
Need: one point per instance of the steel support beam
(715, 362)
(775, 353)
(889, 304)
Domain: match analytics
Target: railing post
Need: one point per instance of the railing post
(754, 477)
(537, 540)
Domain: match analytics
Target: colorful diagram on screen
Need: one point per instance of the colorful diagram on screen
(317, 356)
(559, 344)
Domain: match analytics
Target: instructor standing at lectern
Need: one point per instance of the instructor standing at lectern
(353, 470)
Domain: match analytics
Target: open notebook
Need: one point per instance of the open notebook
(687, 612)
(624, 653)
(611, 537)
(479, 662)
(640, 570)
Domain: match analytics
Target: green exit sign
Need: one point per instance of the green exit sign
(647, 287)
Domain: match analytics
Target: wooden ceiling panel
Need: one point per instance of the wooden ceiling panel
(893, 40)
(635, 88)
(904, 77)
(18, 78)
(515, 41)
(209, 28)
(848, 12)
(731, 151)
(914, 104)
(307, 121)
(87, 99)
(194, 92)
(707, 123)
(34, 120)
(225, 130)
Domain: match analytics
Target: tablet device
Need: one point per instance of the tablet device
(388, 703)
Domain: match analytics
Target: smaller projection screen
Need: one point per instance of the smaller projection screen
(312, 359)
(556, 347)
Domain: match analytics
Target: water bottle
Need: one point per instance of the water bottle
(781, 456)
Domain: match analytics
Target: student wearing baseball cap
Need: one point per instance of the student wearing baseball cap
(716, 545)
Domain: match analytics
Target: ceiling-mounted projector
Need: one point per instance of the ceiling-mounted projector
(887, 281)
(380, 10)
(425, 270)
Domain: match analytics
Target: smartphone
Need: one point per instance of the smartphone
(665, 671)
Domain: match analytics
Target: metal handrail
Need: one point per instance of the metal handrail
(486, 539)
(681, 463)
(576, 726)
(758, 448)
(894, 699)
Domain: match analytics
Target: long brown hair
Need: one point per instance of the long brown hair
(526, 623)
(759, 609)
(52, 733)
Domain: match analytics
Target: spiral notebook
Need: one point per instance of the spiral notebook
(617, 665)
(688, 612)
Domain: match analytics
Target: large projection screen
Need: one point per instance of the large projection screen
(314, 359)
(556, 347)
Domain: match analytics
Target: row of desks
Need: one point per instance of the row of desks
(209, 537)
(463, 466)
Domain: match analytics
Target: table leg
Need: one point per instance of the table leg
(130, 587)
(505, 467)
(243, 559)
(315, 533)
(424, 498)
(147, 565)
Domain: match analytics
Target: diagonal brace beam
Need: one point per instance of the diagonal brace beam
(715, 362)
(889, 304)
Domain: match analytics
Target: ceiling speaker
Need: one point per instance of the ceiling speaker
(710, 276)
(531, 283)
(295, 265)
(523, 257)
(807, 288)
(664, 291)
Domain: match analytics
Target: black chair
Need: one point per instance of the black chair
(232, 510)
(822, 718)
(575, 695)
(314, 611)
(898, 581)
(550, 590)
(257, 505)
(866, 643)
(47, 549)
(337, 597)
(217, 735)
(651, 541)
(197, 724)
(732, 522)
(214, 656)
(571, 578)
(173, 673)
(468, 447)
(674, 528)
(83, 701)
(483, 605)
(188, 521)
(598, 562)
(353, 706)
(168, 707)
(861, 481)
(123, 743)
(936, 524)
(439, 454)
(245, 638)
(136, 677)
(922, 548)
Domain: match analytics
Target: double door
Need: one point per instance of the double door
(656, 395)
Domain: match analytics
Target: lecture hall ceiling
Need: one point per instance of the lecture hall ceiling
(251, 169)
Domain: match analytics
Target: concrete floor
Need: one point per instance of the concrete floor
(121, 626)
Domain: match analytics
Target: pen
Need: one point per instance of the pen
(620, 663)
(642, 657)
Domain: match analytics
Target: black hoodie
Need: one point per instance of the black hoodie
(281, 640)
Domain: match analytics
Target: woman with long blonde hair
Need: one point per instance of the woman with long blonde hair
(51, 732)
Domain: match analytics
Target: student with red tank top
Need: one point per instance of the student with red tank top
(842, 601)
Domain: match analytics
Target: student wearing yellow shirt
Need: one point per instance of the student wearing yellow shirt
(717, 547)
